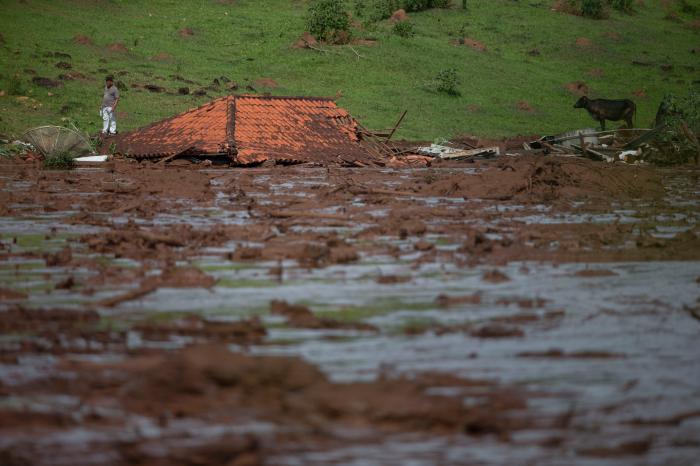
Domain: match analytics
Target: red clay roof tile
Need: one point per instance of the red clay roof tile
(253, 129)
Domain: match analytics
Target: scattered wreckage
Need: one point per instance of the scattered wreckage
(250, 130)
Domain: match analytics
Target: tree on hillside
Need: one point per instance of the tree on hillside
(328, 21)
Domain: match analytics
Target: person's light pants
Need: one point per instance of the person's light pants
(109, 120)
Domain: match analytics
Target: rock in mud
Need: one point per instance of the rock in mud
(59, 259)
(497, 331)
(344, 255)
(246, 254)
(495, 276)
(411, 228)
(185, 277)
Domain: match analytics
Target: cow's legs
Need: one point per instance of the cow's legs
(602, 124)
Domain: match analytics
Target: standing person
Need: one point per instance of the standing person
(109, 107)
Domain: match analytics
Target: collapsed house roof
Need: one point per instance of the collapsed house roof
(251, 129)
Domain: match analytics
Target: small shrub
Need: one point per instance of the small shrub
(360, 8)
(328, 21)
(420, 5)
(404, 29)
(622, 5)
(381, 9)
(592, 9)
(447, 81)
(416, 5)
(570, 7)
(378, 10)
(688, 8)
(60, 161)
(15, 86)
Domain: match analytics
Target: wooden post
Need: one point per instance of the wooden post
(396, 126)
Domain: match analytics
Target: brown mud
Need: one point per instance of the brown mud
(125, 341)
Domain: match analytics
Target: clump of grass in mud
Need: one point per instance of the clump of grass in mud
(11, 150)
(60, 161)
(379, 308)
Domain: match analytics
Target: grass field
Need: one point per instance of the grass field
(245, 40)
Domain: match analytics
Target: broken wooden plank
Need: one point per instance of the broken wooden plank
(590, 153)
(493, 150)
(648, 136)
(177, 154)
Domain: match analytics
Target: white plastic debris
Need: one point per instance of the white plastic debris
(446, 152)
(92, 158)
(624, 155)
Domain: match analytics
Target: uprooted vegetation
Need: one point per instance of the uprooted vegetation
(678, 143)
(60, 161)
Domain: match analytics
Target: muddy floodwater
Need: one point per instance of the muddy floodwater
(519, 311)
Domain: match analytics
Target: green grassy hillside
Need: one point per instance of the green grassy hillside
(532, 52)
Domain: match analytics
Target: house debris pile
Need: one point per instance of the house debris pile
(248, 130)
(629, 145)
(453, 153)
(624, 144)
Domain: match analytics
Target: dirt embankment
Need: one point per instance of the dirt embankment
(546, 179)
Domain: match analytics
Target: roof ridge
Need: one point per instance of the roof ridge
(281, 97)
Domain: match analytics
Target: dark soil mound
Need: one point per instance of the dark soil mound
(549, 178)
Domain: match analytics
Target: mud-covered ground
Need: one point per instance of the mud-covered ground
(534, 311)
